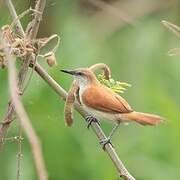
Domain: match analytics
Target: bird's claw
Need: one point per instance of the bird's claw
(91, 119)
(103, 142)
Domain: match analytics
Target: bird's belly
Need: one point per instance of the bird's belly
(102, 115)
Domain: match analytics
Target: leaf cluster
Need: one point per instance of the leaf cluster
(116, 86)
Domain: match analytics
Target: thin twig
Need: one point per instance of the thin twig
(19, 153)
(33, 27)
(96, 128)
(14, 15)
(5, 124)
(23, 117)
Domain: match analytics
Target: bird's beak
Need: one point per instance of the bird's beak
(68, 71)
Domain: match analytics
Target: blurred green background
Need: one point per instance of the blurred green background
(128, 36)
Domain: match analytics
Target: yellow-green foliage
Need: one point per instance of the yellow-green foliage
(116, 86)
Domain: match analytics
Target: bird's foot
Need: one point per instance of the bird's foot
(91, 119)
(103, 142)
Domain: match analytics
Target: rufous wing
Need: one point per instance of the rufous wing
(102, 99)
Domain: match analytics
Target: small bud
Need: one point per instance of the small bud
(51, 59)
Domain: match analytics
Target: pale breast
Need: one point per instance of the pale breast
(81, 91)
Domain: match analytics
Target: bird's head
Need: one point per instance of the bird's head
(83, 76)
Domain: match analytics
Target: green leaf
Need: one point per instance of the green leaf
(116, 86)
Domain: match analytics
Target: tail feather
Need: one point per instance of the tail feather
(143, 118)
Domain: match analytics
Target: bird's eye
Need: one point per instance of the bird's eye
(79, 73)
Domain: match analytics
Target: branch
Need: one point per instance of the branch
(21, 76)
(12, 11)
(96, 128)
(15, 104)
(26, 61)
(33, 26)
(23, 117)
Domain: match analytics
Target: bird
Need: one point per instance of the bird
(100, 102)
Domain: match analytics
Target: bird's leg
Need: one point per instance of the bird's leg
(108, 139)
(91, 119)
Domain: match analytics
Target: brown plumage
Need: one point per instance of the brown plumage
(103, 99)
(143, 118)
(100, 101)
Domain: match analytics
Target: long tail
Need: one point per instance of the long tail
(142, 118)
